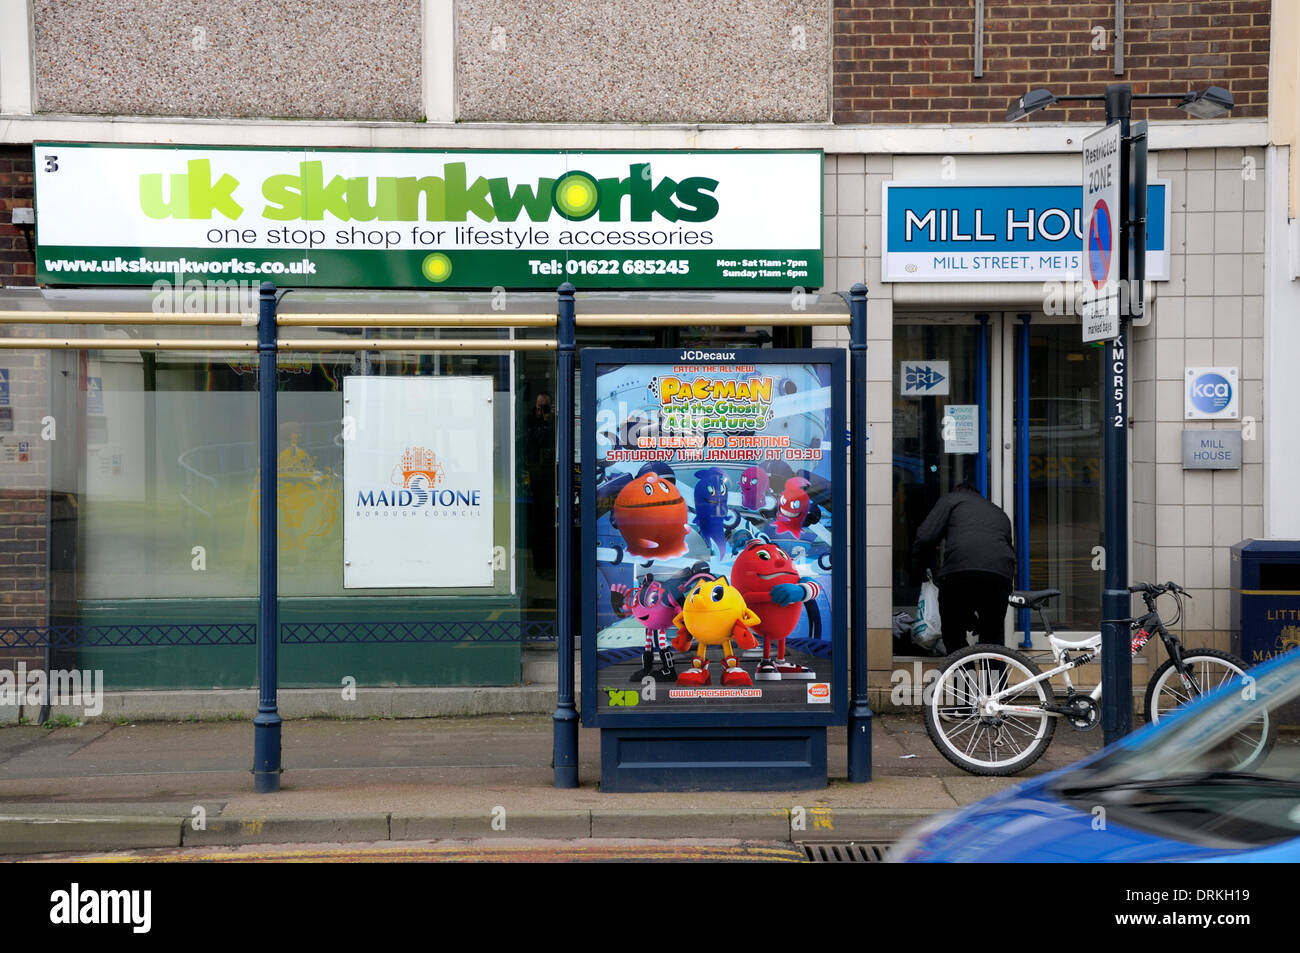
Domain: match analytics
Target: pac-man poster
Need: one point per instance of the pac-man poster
(712, 480)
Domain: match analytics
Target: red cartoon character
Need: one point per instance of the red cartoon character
(771, 586)
(792, 509)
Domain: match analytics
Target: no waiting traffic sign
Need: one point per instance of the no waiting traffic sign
(1100, 245)
(1101, 254)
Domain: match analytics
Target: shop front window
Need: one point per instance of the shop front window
(157, 548)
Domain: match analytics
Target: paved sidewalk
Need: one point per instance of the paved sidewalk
(111, 787)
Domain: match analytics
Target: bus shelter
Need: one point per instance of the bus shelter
(178, 543)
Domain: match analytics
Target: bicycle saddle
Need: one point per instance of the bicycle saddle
(1031, 599)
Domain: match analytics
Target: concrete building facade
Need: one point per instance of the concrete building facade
(896, 94)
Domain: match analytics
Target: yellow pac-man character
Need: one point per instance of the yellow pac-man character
(714, 613)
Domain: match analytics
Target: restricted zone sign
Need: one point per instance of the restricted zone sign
(1101, 251)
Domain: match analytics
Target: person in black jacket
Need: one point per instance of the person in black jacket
(979, 564)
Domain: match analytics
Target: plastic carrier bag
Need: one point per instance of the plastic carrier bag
(927, 631)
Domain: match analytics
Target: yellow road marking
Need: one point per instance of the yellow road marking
(486, 852)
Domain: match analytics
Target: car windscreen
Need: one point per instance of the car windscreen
(1219, 774)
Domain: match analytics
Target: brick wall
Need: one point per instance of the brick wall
(912, 61)
(23, 571)
(17, 264)
(23, 554)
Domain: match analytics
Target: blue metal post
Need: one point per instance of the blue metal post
(859, 753)
(1116, 603)
(1022, 476)
(266, 724)
(982, 399)
(565, 746)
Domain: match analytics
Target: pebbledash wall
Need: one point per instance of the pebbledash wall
(886, 87)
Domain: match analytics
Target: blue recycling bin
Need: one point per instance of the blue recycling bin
(1265, 603)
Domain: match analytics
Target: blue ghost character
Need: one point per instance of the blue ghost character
(711, 507)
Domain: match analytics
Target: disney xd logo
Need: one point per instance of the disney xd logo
(623, 698)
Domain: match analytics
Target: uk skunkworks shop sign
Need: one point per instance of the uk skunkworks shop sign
(969, 232)
(130, 215)
(712, 532)
(417, 482)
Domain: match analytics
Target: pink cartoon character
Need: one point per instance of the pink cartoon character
(652, 605)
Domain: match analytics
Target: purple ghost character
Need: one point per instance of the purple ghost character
(753, 488)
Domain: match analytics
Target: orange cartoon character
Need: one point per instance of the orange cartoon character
(714, 613)
(651, 514)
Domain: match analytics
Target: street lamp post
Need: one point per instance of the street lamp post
(1116, 656)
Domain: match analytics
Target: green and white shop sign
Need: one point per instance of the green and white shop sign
(350, 218)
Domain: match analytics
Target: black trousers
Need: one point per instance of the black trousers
(973, 601)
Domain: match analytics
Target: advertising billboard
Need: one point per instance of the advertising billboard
(368, 218)
(713, 536)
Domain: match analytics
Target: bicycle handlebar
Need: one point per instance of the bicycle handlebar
(1155, 589)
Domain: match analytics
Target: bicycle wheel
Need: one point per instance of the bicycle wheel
(980, 743)
(1210, 668)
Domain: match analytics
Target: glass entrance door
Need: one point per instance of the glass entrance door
(1013, 406)
(1057, 426)
(941, 427)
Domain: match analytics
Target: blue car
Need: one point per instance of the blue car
(1205, 784)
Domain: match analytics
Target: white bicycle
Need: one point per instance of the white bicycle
(992, 711)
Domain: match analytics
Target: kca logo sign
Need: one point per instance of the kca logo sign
(1211, 393)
